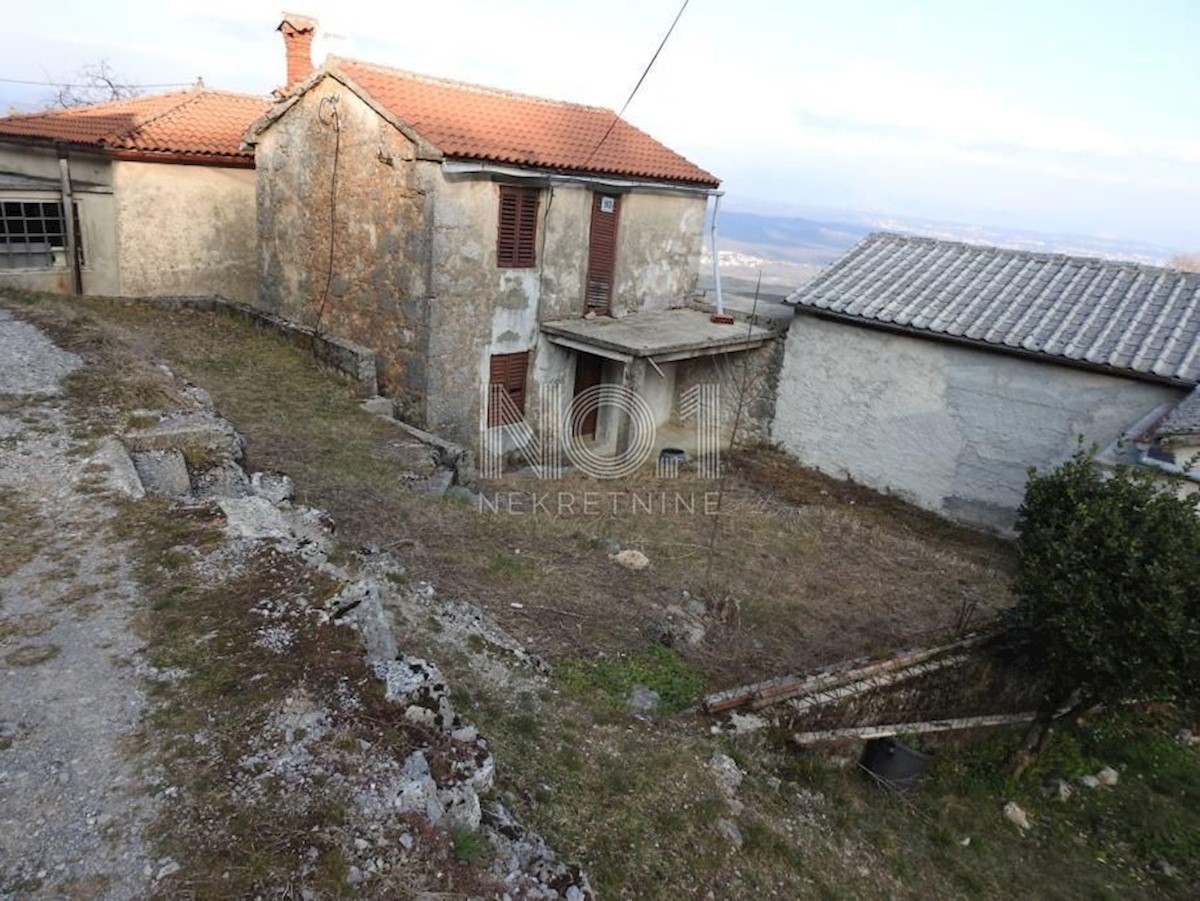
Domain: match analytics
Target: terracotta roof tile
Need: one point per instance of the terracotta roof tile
(195, 122)
(478, 123)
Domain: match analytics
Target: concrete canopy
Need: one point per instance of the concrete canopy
(661, 335)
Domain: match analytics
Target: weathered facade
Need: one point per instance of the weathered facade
(162, 192)
(943, 371)
(949, 428)
(185, 230)
(32, 175)
(382, 218)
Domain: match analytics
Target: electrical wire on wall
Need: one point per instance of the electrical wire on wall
(545, 231)
(333, 120)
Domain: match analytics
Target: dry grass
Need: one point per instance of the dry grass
(806, 569)
(23, 530)
(31, 654)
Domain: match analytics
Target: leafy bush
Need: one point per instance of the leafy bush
(1108, 585)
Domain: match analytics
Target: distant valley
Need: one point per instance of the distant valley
(789, 251)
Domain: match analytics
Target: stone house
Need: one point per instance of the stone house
(500, 253)
(161, 189)
(941, 371)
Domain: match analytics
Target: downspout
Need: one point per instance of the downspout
(68, 207)
(719, 315)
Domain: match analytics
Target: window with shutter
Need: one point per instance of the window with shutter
(516, 231)
(506, 388)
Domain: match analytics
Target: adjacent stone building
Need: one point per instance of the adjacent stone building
(486, 245)
(161, 190)
(941, 371)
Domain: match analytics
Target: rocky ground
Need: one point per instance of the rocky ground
(140, 569)
(73, 805)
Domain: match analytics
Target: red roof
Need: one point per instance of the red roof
(467, 121)
(197, 124)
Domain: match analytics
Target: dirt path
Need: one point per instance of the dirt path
(72, 802)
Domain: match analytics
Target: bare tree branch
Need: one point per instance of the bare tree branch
(94, 83)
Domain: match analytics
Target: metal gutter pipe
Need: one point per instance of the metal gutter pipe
(716, 257)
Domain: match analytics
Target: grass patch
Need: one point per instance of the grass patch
(23, 529)
(660, 668)
(806, 570)
(28, 626)
(32, 654)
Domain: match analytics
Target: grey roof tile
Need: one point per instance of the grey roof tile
(1183, 420)
(1127, 316)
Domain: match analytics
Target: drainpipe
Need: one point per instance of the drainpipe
(719, 315)
(68, 207)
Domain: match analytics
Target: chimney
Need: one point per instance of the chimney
(297, 40)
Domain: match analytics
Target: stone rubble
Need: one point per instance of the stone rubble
(196, 455)
(643, 700)
(631, 559)
(1015, 814)
(1108, 776)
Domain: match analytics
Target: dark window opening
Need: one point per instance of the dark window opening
(33, 235)
(506, 388)
(516, 233)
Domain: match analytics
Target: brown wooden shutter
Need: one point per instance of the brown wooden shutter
(506, 230)
(516, 229)
(527, 228)
(507, 376)
(602, 253)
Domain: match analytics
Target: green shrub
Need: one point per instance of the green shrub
(1108, 585)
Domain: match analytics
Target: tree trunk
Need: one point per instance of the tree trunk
(1056, 707)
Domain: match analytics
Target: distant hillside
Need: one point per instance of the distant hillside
(788, 239)
(788, 251)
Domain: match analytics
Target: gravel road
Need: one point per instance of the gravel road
(73, 798)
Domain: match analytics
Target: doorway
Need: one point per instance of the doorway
(589, 372)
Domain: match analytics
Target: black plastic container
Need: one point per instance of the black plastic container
(894, 763)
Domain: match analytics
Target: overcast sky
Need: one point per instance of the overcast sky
(1057, 115)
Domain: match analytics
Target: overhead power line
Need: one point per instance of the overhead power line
(64, 84)
(633, 93)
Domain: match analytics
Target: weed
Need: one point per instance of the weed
(508, 566)
(74, 595)
(469, 845)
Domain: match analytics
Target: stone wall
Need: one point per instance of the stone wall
(748, 379)
(186, 229)
(378, 288)
(949, 428)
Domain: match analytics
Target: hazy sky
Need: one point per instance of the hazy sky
(1058, 115)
